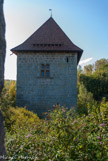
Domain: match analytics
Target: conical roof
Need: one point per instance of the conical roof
(48, 38)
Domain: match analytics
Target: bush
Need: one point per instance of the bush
(20, 118)
(85, 99)
(64, 135)
(8, 96)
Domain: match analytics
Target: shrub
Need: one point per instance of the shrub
(8, 96)
(63, 136)
(85, 99)
(20, 118)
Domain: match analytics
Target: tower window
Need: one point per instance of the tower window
(47, 66)
(47, 73)
(45, 70)
(67, 59)
(42, 66)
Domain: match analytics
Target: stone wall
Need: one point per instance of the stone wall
(40, 94)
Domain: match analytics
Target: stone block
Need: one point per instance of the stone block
(39, 94)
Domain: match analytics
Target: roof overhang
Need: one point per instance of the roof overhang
(79, 53)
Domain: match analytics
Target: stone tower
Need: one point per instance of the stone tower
(47, 69)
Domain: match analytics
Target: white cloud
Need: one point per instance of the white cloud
(85, 61)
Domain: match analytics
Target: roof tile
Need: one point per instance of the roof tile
(49, 37)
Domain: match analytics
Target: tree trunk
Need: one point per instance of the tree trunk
(2, 45)
(2, 135)
(2, 61)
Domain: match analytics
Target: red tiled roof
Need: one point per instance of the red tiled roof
(48, 38)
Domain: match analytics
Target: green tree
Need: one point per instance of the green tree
(88, 69)
(85, 99)
(97, 82)
(100, 63)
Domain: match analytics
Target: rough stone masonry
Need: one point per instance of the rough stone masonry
(38, 93)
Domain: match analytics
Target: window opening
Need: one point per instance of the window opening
(42, 73)
(47, 66)
(67, 59)
(47, 73)
(45, 70)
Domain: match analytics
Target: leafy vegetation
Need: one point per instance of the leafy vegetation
(96, 81)
(64, 135)
(85, 99)
(8, 96)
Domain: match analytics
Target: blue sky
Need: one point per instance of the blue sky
(84, 21)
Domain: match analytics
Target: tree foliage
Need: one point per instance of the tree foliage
(100, 63)
(97, 82)
(88, 69)
(85, 99)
